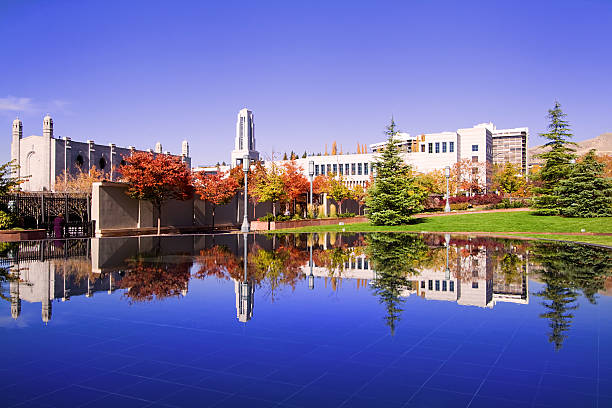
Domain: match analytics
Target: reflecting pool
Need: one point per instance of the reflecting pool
(323, 320)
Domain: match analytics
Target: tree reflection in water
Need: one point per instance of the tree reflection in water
(158, 278)
(394, 257)
(567, 269)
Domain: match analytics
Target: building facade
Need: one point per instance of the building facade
(41, 159)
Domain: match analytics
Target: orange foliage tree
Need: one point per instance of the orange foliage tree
(296, 184)
(147, 281)
(157, 178)
(217, 189)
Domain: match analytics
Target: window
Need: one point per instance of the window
(359, 168)
(430, 147)
(346, 265)
(475, 273)
(346, 169)
(474, 159)
(430, 285)
(423, 148)
(437, 286)
(102, 163)
(353, 169)
(341, 169)
(366, 264)
(365, 168)
(474, 285)
(451, 147)
(443, 286)
(451, 286)
(474, 148)
(474, 170)
(316, 169)
(422, 284)
(352, 264)
(437, 147)
(328, 169)
(335, 169)
(79, 161)
(359, 263)
(443, 147)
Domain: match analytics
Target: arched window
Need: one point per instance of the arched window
(102, 163)
(79, 161)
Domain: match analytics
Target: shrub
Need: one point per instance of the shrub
(321, 212)
(332, 211)
(296, 217)
(7, 220)
(477, 199)
(267, 217)
(459, 206)
(506, 203)
(311, 210)
(346, 215)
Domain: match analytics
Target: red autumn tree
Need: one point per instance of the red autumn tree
(217, 189)
(296, 184)
(157, 178)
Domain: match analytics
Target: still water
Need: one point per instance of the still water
(328, 320)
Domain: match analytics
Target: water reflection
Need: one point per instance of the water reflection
(468, 271)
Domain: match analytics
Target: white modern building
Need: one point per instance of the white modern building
(41, 159)
(244, 143)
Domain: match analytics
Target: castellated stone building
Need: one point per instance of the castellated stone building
(41, 159)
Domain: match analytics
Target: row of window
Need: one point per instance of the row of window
(343, 169)
(430, 285)
(359, 263)
(437, 145)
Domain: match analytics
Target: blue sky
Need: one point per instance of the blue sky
(135, 72)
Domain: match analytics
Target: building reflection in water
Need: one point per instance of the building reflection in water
(469, 271)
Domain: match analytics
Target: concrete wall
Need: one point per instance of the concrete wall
(112, 209)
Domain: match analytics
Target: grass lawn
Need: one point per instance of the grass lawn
(502, 222)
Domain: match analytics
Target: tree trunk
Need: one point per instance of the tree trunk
(158, 219)
(340, 207)
(274, 209)
(213, 218)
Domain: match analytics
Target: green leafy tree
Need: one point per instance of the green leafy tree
(270, 186)
(8, 181)
(586, 192)
(394, 257)
(557, 161)
(509, 179)
(394, 196)
(338, 190)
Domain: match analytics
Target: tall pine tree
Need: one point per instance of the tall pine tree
(394, 196)
(586, 192)
(557, 161)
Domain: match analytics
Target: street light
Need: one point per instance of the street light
(246, 164)
(310, 176)
(447, 175)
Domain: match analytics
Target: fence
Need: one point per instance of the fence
(23, 251)
(38, 210)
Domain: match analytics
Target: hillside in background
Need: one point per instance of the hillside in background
(602, 144)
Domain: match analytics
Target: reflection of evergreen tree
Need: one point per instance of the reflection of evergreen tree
(566, 269)
(394, 257)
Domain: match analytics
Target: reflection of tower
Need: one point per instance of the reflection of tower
(46, 300)
(15, 299)
(245, 290)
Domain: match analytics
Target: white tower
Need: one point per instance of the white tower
(244, 143)
(48, 127)
(158, 147)
(16, 145)
(185, 148)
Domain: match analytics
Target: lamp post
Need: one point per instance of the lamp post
(310, 176)
(246, 164)
(447, 175)
(446, 244)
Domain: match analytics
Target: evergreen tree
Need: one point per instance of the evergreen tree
(394, 196)
(304, 155)
(557, 161)
(285, 156)
(394, 258)
(586, 192)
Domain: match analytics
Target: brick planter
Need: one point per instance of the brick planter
(274, 225)
(22, 235)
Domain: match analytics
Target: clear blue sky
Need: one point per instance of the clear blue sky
(135, 72)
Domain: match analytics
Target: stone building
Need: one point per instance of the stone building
(41, 159)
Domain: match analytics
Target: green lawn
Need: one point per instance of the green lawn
(503, 222)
